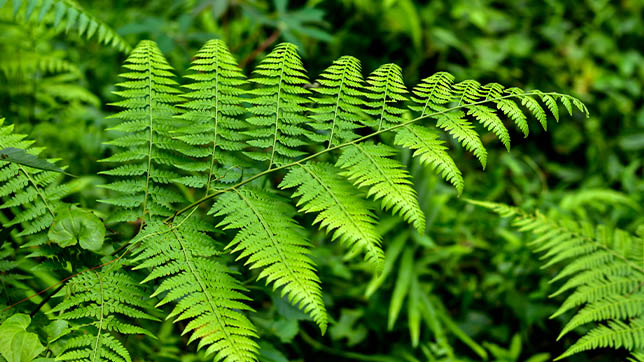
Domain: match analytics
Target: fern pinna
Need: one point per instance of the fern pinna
(602, 272)
(266, 150)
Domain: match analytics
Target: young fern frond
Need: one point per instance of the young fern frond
(212, 111)
(99, 305)
(604, 271)
(341, 210)
(340, 104)
(33, 195)
(270, 239)
(278, 107)
(147, 125)
(70, 16)
(207, 296)
(373, 166)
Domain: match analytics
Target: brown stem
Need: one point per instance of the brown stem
(265, 44)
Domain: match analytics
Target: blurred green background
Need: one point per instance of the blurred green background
(468, 289)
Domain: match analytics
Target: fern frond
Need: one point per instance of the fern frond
(341, 210)
(490, 120)
(270, 239)
(432, 152)
(463, 131)
(212, 110)
(385, 93)
(373, 166)
(147, 123)
(432, 94)
(32, 62)
(207, 296)
(339, 106)
(278, 107)
(68, 14)
(616, 334)
(33, 194)
(603, 268)
(100, 306)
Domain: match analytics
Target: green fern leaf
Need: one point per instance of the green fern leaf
(101, 304)
(385, 93)
(32, 194)
(463, 131)
(372, 166)
(432, 152)
(616, 334)
(432, 94)
(278, 107)
(603, 268)
(491, 121)
(467, 92)
(147, 125)
(68, 14)
(270, 239)
(339, 106)
(181, 257)
(214, 104)
(341, 211)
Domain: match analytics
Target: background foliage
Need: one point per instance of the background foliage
(466, 289)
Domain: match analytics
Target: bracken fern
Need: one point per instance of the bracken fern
(602, 273)
(266, 150)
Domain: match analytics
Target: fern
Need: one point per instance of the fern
(278, 107)
(603, 269)
(149, 98)
(33, 195)
(370, 165)
(271, 240)
(204, 291)
(212, 113)
(339, 106)
(70, 16)
(249, 145)
(385, 93)
(100, 304)
(342, 212)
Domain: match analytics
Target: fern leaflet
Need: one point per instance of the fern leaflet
(205, 292)
(270, 239)
(604, 269)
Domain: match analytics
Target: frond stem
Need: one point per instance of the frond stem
(151, 135)
(37, 188)
(100, 323)
(277, 113)
(357, 140)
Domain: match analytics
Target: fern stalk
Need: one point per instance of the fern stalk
(345, 144)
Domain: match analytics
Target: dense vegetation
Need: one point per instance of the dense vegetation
(274, 180)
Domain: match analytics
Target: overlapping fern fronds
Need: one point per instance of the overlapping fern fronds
(602, 271)
(100, 306)
(150, 159)
(67, 15)
(341, 209)
(32, 195)
(270, 239)
(252, 144)
(279, 108)
(182, 258)
(213, 114)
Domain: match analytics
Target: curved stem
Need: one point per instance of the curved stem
(326, 150)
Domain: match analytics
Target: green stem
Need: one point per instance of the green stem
(326, 150)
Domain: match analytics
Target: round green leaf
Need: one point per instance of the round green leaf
(74, 225)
